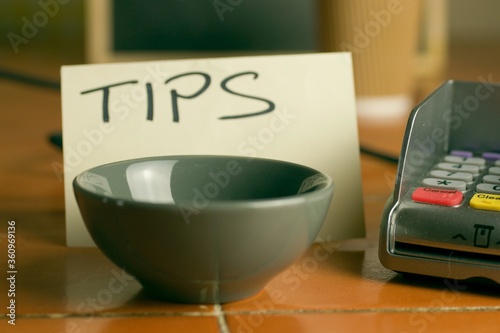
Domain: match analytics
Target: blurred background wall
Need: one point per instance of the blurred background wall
(469, 20)
(474, 21)
(60, 33)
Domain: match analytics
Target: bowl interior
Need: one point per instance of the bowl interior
(178, 179)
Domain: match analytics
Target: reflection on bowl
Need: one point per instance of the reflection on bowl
(203, 229)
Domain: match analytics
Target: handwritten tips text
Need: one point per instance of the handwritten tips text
(195, 90)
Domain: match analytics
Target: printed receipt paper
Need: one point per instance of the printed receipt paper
(297, 108)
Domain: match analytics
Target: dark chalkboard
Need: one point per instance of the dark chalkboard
(214, 25)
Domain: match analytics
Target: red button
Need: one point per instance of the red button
(437, 196)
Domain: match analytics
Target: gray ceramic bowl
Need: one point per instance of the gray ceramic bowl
(203, 229)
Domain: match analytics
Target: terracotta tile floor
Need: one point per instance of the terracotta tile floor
(337, 286)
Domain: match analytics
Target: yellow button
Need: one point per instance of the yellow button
(485, 201)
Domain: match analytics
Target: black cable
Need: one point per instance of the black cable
(56, 138)
(28, 79)
(378, 154)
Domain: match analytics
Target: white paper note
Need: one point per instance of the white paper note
(297, 108)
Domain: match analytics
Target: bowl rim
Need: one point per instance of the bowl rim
(213, 203)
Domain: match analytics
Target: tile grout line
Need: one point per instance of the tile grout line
(110, 315)
(371, 310)
(220, 314)
(221, 318)
(217, 307)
